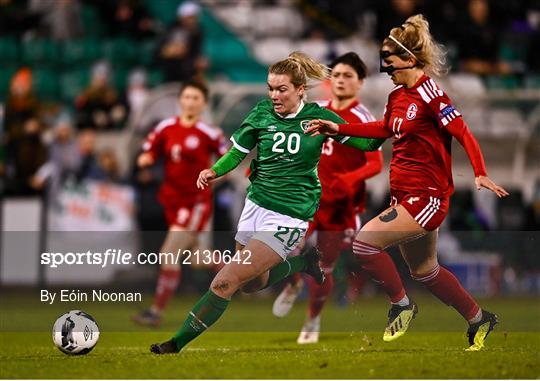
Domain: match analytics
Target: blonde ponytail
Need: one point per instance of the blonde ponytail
(301, 68)
(415, 36)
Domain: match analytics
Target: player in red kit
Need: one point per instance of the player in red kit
(187, 144)
(422, 121)
(342, 171)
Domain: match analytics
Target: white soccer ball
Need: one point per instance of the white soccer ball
(75, 333)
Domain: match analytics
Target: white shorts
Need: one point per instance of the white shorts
(282, 233)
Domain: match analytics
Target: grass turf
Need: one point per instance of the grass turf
(248, 342)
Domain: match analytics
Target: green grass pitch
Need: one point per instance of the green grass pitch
(249, 342)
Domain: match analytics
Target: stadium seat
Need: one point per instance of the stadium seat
(120, 76)
(121, 51)
(502, 83)
(72, 83)
(46, 83)
(9, 51)
(226, 52)
(271, 50)
(155, 78)
(468, 86)
(145, 52)
(250, 73)
(80, 52)
(40, 52)
(275, 21)
(93, 26)
(163, 10)
(532, 82)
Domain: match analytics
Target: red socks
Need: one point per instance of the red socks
(381, 268)
(445, 286)
(166, 286)
(318, 294)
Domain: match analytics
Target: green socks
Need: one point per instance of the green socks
(206, 312)
(284, 269)
(210, 307)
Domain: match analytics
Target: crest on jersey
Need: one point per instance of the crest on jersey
(411, 111)
(413, 199)
(304, 124)
(192, 142)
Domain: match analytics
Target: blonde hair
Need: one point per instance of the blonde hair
(300, 68)
(415, 36)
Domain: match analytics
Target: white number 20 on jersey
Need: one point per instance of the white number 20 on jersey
(293, 143)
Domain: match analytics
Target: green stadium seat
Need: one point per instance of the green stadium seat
(78, 52)
(155, 78)
(226, 52)
(163, 10)
(532, 82)
(120, 77)
(40, 52)
(145, 52)
(502, 82)
(247, 74)
(121, 51)
(93, 27)
(72, 83)
(46, 83)
(9, 51)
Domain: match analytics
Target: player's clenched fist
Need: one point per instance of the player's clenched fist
(204, 177)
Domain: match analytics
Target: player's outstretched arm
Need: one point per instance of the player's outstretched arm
(458, 129)
(225, 164)
(364, 144)
(485, 182)
(375, 130)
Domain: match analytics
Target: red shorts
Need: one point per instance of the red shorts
(335, 217)
(192, 217)
(428, 211)
(336, 225)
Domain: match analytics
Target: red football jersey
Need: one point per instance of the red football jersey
(421, 157)
(338, 159)
(187, 150)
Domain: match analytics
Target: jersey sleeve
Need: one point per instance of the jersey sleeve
(244, 138)
(154, 141)
(220, 145)
(333, 117)
(450, 120)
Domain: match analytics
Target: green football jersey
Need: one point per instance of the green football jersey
(284, 174)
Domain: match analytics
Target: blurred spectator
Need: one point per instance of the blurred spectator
(127, 18)
(479, 41)
(25, 155)
(107, 168)
(137, 91)
(25, 151)
(60, 19)
(21, 103)
(64, 157)
(180, 49)
(99, 106)
(391, 14)
(86, 142)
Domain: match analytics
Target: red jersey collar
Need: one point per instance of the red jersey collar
(355, 103)
(420, 81)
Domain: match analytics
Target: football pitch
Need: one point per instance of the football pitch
(249, 342)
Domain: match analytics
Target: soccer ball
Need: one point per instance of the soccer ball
(75, 333)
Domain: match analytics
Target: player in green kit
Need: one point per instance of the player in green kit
(283, 196)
